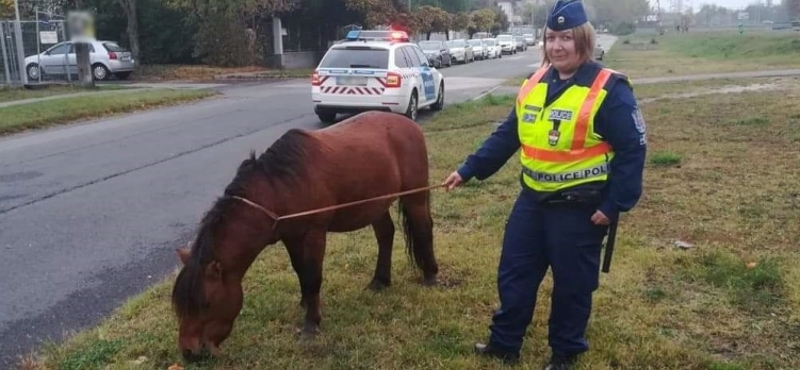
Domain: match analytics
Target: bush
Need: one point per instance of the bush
(622, 28)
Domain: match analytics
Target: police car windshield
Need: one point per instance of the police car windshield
(359, 57)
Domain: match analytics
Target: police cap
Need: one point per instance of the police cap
(566, 14)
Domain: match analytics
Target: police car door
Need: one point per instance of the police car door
(413, 71)
(426, 74)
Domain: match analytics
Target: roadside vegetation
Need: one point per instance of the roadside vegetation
(704, 274)
(8, 94)
(203, 73)
(650, 55)
(67, 109)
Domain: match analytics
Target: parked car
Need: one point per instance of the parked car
(105, 57)
(492, 48)
(437, 52)
(461, 51)
(507, 44)
(529, 39)
(599, 52)
(521, 45)
(478, 48)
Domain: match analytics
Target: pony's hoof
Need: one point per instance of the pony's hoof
(430, 281)
(309, 332)
(376, 285)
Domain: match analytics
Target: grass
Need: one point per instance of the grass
(731, 301)
(650, 55)
(11, 94)
(37, 115)
(203, 73)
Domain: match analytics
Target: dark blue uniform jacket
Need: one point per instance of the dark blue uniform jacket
(618, 121)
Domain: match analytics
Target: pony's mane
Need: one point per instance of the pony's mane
(283, 161)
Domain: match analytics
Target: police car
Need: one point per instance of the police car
(375, 70)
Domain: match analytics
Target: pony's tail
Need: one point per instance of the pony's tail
(418, 233)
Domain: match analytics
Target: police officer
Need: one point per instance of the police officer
(583, 145)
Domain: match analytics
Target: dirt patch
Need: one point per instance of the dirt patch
(730, 89)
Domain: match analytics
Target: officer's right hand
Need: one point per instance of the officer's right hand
(452, 181)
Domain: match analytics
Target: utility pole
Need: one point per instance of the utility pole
(23, 74)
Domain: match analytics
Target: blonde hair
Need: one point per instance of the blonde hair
(585, 40)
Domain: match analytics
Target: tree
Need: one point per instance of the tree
(6, 9)
(792, 7)
(375, 12)
(617, 14)
(129, 7)
(482, 20)
(429, 19)
(462, 21)
(227, 29)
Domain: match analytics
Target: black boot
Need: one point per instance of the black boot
(488, 350)
(561, 362)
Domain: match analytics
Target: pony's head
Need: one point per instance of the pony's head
(207, 296)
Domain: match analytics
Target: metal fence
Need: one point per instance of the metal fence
(29, 53)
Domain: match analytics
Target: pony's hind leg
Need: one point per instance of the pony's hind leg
(418, 227)
(384, 233)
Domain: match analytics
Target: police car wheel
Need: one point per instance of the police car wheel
(326, 117)
(411, 111)
(439, 99)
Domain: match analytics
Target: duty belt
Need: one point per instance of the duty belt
(575, 196)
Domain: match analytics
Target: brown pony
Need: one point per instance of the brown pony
(369, 155)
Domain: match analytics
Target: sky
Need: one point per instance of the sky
(734, 4)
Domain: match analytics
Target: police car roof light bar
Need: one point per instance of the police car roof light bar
(356, 35)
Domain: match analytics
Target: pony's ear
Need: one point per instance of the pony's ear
(214, 271)
(183, 254)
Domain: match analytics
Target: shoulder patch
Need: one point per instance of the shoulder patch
(638, 120)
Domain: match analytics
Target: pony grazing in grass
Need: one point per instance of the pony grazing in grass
(306, 176)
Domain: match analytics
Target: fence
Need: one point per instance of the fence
(31, 52)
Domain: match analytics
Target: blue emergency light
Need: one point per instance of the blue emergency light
(382, 35)
(353, 35)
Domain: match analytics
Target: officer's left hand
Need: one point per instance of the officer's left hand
(598, 218)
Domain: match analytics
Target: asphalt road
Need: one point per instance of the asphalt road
(91, 213)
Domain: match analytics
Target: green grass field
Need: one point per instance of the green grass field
(11, 94)
(650, 55)
(719, 176)
(17, 118)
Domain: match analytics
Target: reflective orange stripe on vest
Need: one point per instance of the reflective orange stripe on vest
(578, 152)
(530, 84)
(582, 124)
(570, 156)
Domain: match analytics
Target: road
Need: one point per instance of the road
(90, 213)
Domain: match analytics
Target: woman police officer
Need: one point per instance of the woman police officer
(583, 145)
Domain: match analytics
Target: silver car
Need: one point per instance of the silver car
(106, 58)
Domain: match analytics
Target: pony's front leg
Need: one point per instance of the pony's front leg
(311, 279)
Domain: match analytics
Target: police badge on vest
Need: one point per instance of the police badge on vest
(557, 115)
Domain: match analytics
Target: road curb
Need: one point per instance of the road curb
(487, 92)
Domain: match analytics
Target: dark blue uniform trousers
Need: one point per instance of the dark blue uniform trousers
(538, 236)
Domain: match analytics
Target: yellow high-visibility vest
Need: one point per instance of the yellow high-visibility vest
(559, 146)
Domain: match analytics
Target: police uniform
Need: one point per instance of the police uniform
(582, 148)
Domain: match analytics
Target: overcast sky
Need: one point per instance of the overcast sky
(696, 4)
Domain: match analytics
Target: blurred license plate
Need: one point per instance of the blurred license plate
(126, 58)
(358, 81)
